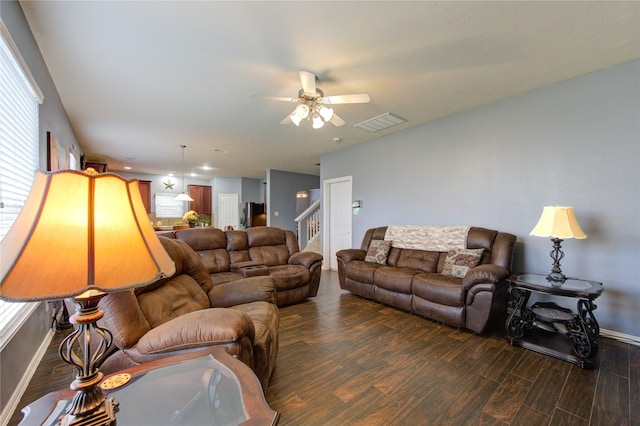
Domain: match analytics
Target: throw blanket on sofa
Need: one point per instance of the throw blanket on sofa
(430, 238)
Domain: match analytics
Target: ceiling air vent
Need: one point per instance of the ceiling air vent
(380, 122)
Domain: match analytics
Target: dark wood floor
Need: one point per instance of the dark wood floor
(344, 360)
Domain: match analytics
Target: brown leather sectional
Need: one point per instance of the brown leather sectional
(185, 313)
(259, 251)
(412, 280)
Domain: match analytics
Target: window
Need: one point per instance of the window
(19, 104)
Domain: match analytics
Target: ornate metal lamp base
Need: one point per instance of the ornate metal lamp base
(104, 415)
(90, 405)
(556, 254)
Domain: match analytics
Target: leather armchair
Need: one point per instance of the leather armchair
(185, 312)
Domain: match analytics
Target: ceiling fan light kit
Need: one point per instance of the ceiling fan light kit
(317, 121)
(312, 104)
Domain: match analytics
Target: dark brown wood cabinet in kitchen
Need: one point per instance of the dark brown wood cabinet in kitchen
(145, 192)
(201, 195)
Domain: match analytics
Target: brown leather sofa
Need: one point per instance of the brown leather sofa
(412, 280)
(185, 313)
(258, 251)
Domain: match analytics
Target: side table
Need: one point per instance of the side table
(550, 329)
(206, 387)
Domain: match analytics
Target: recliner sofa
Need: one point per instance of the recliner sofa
(412, 279)
(259, 251)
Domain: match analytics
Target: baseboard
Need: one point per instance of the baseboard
(625, 338)
(13, 402)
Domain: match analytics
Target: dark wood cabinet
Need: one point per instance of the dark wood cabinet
(98, 167)
(201, 195)
(145, 192)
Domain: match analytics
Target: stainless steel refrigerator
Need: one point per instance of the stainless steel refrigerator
(253, 214)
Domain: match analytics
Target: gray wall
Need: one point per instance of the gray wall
(281, 194)
(18, 353)
(575, 143)
(252, 190)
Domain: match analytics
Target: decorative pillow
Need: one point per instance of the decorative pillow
(378, 251)
(459, 261)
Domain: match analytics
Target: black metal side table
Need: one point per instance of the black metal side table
(550, 329)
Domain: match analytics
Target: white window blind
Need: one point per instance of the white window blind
(19, 106)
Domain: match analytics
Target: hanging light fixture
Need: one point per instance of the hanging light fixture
(312, 108)
(183, 196)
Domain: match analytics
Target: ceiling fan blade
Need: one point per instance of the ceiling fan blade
(361, 98)
(275, 98)
(336, 121)
(286, 120)
(308, 81)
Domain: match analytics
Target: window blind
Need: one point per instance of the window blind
(19, 116)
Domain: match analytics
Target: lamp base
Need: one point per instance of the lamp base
(556, 254)
(89, 405)
(556, 277)
(104, 415)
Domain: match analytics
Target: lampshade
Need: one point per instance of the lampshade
(317, 122)
(558, 222)
(295, 118)
(78, 232)
(302, 111)
(183, 196)
(326, 113)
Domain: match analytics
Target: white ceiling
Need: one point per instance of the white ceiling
(138, 79)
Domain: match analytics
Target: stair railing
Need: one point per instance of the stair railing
(308, 225)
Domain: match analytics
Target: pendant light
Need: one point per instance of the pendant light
(183, 196)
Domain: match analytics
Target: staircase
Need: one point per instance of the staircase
(308, 225)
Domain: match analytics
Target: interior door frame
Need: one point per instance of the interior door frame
(326, 215)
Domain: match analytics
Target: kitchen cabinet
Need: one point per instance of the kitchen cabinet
(201, 195)
(145, 192)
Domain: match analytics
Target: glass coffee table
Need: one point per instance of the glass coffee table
(204, 388)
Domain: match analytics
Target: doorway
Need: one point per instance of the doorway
(228, 214)
(336, 211)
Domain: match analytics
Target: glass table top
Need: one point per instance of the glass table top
(570, 286)
(196, 392)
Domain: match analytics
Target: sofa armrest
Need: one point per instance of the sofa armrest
(348, 255)
(206, 327)
(486, 273)
(256, 289)
(305, 258)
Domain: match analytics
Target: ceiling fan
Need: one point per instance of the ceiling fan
(314, 105)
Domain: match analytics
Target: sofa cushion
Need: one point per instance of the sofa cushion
(289, 276)
(237, 246)
(459, 261)
(270, 255)
(425, 261)
(207, 327)
(265, 236)
(225, 277)
(266, 322)
(378, 251)
(211, 246)
(440, 289)
(361, 271)
(177, 297)
(122, 315)
(395, 279)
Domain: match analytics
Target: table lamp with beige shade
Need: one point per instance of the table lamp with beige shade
(559, 223)
(80, 236)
